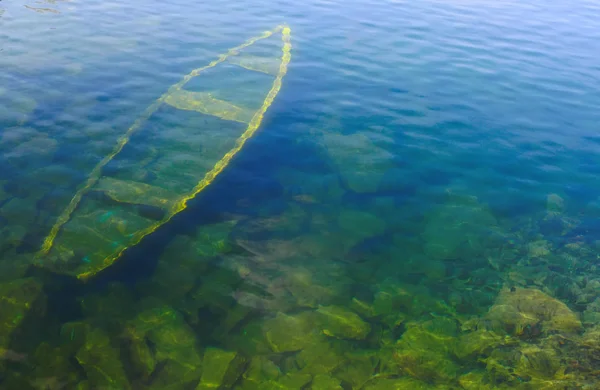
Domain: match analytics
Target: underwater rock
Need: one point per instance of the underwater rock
(537, 362)
(250, 339)
(220, 369)
(591, 314)
(173, 346)
(320, 358)
(395, 302)
(475, 380)
(176, 273)
(315, 283)
(325, 382)
(425, 350)
(26, 148)
(19, 212)
(101, 362)
(358, 367)
(539, 248)
(260, 370)
(360, 162)
(288, 382)
(518, 310)
(399, 384)
(480, 342)
(308, 188)
(289, 333)
(358, 226)
(339, 322)
(554, 203)
(213, 240)
(19, 299)
(53, 368)
(109, 308)
(459, 228)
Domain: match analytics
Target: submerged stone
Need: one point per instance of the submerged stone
(19, 299)
(398, 384)
(358, 367)
(101, 362)
(339, 322)
(425, 350)
(288, 382)
(360, 162)
(221, 369)
(517, 310)
(260, 370)
(173, 347)
(289, 333)
(480, 342)
(458, 228)
(325, 382)
(555, 203)
(320, 358)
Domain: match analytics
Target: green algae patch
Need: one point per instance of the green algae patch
(339, 322)
(425, 351)
(288, 381)
(399, 384)
(221, 369)
(290, 333)
(478, 343)
(101, 362)
(457, 228)
(358, 367)
(325, 382)
(518, 309)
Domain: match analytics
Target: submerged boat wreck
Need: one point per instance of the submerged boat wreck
(172, 152)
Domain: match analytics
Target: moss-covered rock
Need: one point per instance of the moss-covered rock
(394, 301)
(538, 248)
(398, 384)
(425, 351)
(221, 369)
(475, 380)
(339, 322)
(259, 370)
(159, 336)
(517, 310)
(470, 345)
(53, 368)
(288, 382)
(320, 358)
(358, 367)
(325, 382)
(289, 333)
(101, 362)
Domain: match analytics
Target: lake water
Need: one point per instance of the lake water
(418, 209)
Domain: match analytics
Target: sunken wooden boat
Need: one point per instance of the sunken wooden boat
(171, 153)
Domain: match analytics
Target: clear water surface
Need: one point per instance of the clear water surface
(418, 210)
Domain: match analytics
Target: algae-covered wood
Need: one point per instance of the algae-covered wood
(178, 146)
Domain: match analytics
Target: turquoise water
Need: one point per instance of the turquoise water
(418, 209)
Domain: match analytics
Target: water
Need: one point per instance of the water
(417, 210)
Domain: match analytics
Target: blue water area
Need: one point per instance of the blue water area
(418, 208)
